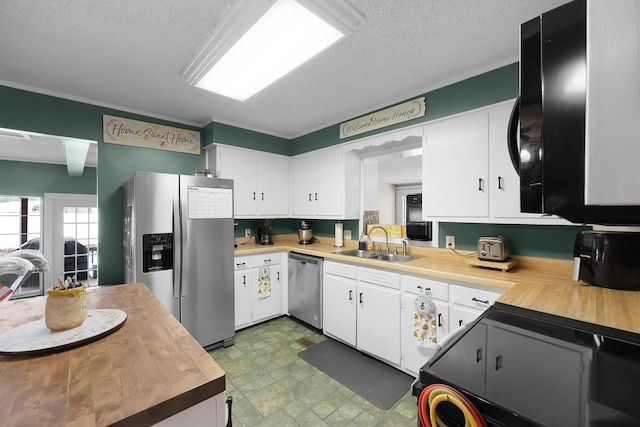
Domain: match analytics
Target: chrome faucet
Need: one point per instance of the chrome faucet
(386, 235)
(404, 247)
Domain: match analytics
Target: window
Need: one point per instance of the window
(20, 225)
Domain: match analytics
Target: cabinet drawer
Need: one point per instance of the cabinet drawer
(240, 263)
(473, 298)
(379, 277)
(420, 285)
(343, 270)
(268, 259)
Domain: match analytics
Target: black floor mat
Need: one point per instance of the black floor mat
(371, 379)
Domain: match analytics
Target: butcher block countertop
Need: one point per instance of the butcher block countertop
(146, 371)
(539, 284)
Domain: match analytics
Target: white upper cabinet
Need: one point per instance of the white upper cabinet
(325, 184)
(467, 172)
(613, 105)
(456, 167)
(261, 181)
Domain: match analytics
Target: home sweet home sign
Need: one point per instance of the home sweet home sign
(116, 130)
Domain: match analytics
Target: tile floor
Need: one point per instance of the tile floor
(272, 386)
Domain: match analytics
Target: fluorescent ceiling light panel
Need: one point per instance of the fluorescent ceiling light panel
(238, 62)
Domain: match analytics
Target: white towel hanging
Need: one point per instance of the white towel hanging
(424, 325)
(264, 282)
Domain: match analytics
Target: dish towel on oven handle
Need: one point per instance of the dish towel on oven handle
(264, 282)
(424, 325)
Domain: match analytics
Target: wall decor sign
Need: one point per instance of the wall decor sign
(389, 116)
(116, 130)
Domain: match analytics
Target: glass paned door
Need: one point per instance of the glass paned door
(72, 239)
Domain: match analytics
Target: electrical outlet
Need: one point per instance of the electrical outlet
(247, 232)
(347, 234)
(451, 242)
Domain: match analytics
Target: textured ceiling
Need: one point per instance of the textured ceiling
(130, 54)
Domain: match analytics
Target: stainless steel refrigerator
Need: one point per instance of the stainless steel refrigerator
(178, 240)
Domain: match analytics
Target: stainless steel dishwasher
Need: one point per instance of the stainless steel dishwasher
(305, 288)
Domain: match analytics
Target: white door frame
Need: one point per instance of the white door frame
(53, 230)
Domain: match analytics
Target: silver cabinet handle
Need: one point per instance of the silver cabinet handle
(350, 295)
(262, 196)
(254, 195)
(310, 197)
(499, 183)
(480, 184)
(360, 297)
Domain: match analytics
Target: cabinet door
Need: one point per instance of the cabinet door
(242, 301)
(378, 322)
(266, 292)
(504, 181)
(464, 363)
(242, 166)
(339, 308)
(273, 185)
(302, 186)
(330, 186)
(536, 376)
(463, 315)
(456, 167)
(415, 355)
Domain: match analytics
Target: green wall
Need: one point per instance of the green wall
(219, 133)
(485, 89)
(35, 179)
(550, 241)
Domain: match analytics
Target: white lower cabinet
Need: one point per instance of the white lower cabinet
(375, 311)
(470, 302)
(416, 352)
(258, 283)
(361, 307)
(242, 285)
(339, 301)
(378, 321)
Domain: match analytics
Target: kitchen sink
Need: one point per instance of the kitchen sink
(377, 255)
(395, 257)
(360, 253)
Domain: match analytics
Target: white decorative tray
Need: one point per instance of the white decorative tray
(35, 337)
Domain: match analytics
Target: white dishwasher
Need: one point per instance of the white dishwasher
(305, 288)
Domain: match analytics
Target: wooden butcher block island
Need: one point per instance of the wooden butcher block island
(149, 371)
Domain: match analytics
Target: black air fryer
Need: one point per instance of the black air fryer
(607, 259)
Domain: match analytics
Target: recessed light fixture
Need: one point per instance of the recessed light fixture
(257, 43)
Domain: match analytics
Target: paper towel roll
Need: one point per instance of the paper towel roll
(339, 235)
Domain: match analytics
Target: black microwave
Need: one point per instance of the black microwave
(419, 230)
(548, 126)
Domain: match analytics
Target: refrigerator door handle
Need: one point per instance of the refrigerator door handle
(177, 250)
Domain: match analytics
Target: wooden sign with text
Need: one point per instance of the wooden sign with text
(389, 116)
(116, 130)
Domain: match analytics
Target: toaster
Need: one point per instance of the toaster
(493, 248)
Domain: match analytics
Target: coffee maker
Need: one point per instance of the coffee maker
(264, 232)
